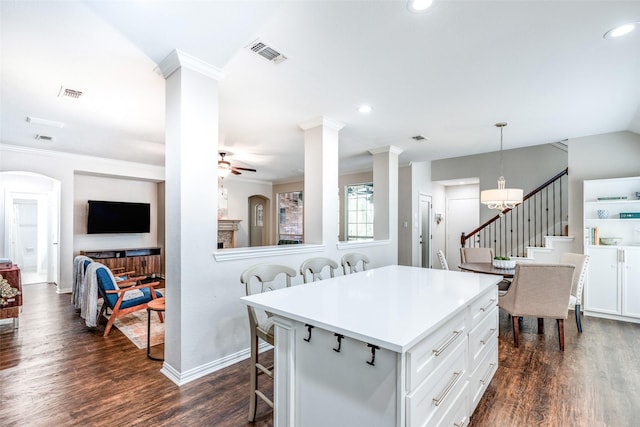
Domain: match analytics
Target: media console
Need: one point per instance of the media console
(143, 261)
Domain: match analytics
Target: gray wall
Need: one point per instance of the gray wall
(525, 168)
(611, 155)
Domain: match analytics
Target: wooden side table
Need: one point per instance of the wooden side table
(12, 309)
(153, 305)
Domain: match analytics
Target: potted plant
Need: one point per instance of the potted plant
(504, 262)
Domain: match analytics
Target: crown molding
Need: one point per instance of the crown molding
(386, 149)
(322, 121)
(179, 59)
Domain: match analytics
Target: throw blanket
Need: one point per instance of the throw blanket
(78, 287)
(89, 307)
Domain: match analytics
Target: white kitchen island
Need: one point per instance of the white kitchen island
(417, 347)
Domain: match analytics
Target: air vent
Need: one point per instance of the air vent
(69, 93)
(44, 138)
(419, 138)
(265, 51)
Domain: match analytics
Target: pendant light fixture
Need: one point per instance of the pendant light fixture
(501, 198)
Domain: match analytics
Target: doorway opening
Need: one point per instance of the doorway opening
(31, 225)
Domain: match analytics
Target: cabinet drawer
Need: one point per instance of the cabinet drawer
(483, 373)
(483, 305)
(425, 357)
(482, 335)
(434, 396)
(458, 414)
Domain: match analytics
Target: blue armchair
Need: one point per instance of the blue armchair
(123, 296)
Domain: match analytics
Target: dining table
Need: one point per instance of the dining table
(487, 268)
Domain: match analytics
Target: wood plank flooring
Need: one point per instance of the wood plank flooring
(55, 371)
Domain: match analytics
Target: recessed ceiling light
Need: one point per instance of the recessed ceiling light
(44, 122)
(364, 109)
(621, 30)
(419, 5)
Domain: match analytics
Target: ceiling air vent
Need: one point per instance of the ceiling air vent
(266, 51)
(44, 138)
(69, 93)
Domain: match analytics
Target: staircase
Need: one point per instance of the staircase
(535, 229)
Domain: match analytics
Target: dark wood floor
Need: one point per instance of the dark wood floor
(54, 371)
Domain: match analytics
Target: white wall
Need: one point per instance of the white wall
(612, 155)
(525, 168)
(114, 190)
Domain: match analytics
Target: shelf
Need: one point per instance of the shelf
(612, 202)
(613, 219)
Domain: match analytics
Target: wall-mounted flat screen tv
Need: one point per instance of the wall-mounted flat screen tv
(118, 217)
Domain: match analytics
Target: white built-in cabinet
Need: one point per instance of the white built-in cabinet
(612, 288)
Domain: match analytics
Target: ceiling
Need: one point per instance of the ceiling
(448, 74)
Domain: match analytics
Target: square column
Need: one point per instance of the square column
(191, 131)
(320, 194)
(385, 193)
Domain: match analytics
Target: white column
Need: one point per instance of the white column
(385, 193)
(191, 131)
(320, 196)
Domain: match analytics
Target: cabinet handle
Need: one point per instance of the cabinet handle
(454, 380)
(443, 347)
(486, 376)
(461, 423)
(486, 307)
(484, 341)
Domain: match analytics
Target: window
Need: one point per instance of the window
(359, 215)
(290, 212)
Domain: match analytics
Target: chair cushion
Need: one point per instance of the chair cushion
(140, 296)
(145, 298)
(504, 285)
(267, 326)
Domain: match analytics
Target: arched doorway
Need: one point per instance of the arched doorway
(258, 221)
(31, 225)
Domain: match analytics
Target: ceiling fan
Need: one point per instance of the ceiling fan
(224, 167)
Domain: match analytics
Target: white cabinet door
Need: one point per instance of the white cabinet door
(631, 282)
(602, 291)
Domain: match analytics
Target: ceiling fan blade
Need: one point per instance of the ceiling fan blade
(244, 169)
(235, 172)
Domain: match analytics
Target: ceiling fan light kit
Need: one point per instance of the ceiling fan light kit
(501, 198)
(225, 168)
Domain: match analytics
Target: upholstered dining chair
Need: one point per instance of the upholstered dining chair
(351, 261)
(122, 297)
(257, 279)
(315, 266)
(539, 290)
(443, 260)
(483, 255)
(575, 301)
(476, 255)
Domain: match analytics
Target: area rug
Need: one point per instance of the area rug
(134, 327)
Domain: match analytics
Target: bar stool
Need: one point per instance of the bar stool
(156, 305)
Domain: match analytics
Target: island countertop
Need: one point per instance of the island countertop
(393, 307)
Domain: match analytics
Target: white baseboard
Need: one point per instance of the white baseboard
(181, 378)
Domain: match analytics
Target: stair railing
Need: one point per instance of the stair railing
(543, 212)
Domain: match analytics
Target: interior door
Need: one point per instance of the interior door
(425, 231)
(463, 215)
(258, 221)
